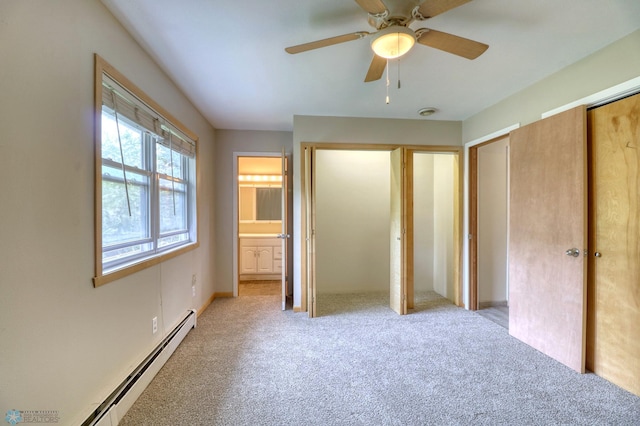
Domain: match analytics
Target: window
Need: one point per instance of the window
(146, 184)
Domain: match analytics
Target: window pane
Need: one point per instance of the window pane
(163, 160)
(131, 138)
(126, 252)
(173, 239)
(117, 225)
(173, 209)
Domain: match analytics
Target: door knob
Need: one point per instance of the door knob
(598, 254)
(574, 252)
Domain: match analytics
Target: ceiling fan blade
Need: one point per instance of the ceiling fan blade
(451, 43)
(374, 7)
(378, 64)
(431, 8)
(326, 42)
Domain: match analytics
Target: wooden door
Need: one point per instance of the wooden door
(309, 217)
(398, 300)
(547, 286)
(284, 235)
(613, 341)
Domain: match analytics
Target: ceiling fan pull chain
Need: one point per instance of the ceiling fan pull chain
(387, 82)
(398, 41)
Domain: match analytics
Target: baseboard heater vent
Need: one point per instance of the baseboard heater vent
(118, 403)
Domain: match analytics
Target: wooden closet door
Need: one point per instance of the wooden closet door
(547, 236)
(613, 350)
(397, 283)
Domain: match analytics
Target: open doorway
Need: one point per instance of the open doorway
(433, 225)
(351, 226)
(489, 287)
(260, 215)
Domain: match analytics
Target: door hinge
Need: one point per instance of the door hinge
(470, 236)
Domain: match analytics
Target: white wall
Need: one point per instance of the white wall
(358, 131)
(492, 221)
(228, 142)
(352, 221)
(65, 344)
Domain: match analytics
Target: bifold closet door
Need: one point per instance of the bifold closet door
(547, 236)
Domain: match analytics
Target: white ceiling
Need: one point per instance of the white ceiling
(228, 56)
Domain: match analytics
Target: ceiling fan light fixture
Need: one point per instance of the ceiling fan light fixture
(393, 42)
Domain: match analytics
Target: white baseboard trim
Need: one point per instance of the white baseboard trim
(121, 400)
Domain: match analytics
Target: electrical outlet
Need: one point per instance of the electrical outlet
(193, 280)
(154, 324)
(193, 291)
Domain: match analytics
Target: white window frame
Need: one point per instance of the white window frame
(186, 147)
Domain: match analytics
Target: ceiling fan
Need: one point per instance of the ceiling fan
(394, 38)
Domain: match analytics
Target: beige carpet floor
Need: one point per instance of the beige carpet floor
(359, 363)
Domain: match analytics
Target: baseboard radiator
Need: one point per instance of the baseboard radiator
(120, 401)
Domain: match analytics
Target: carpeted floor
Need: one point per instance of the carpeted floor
(358, 363)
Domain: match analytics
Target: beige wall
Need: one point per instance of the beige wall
(443, 215)
(229, 142)
(423, 206)
(65, 344)
(352, 221)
